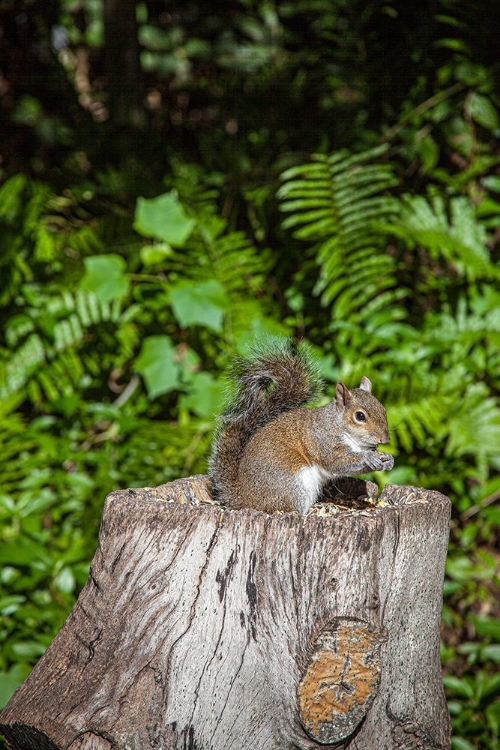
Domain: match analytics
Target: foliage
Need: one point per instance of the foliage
(323, 170)
(331, 202)
(438, 359)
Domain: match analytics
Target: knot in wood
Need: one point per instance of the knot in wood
(341, 680)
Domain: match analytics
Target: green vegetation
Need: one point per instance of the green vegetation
(327, 170)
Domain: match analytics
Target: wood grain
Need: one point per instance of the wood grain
(199, 627)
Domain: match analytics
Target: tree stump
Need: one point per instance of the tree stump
(204, 628)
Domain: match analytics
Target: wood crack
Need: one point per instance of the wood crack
(246, 631)
(201, 576)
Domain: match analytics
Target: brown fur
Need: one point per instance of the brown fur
(271, 455)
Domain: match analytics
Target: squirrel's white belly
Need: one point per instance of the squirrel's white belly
(310, 480)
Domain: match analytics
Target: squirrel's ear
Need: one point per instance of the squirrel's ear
(366, 384)
(342, 394)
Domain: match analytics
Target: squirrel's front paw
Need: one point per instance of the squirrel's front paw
(388, 461)
(379, 461)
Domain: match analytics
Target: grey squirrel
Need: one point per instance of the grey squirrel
(271, 453)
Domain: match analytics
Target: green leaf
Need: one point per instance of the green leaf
(491, 653)
(203, 303)
(458, 686)
(482, 111)
(156, 365)
(487, 627)
(491, 686)
(163, 218)
(28, 649)
(450, 587)
(492, 182)
(28, 111)
(65, 581)
(105, 277)
(11, 197)
(10, 604)
(429, 151)
(10, 681)
(23, 551)
(205, 397)
(492, 713)
(458, 743)
(454, 707)
(152, 255)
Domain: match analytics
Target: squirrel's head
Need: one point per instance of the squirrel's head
(364, 419)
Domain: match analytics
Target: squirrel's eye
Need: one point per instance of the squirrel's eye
(360, 416)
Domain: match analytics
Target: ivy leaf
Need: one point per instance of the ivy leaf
(163, 218)
(203, 303)
(205, 397)
(152, 255)
(157, 366)
(105, 277)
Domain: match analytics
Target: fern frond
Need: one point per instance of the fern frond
(44, 355)
(450, 234)
(474, 427)
(21, 365)
(166, 449)
(238, 265)
(334, 202)
(477, 324)
(416, 420)
(15, 445)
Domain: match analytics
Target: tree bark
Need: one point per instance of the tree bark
(210, 629)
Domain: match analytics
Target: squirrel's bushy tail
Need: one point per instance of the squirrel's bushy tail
(274, 378)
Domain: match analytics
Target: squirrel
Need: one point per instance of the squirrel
(271, 453)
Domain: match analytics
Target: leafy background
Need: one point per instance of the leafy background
(322, 169)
